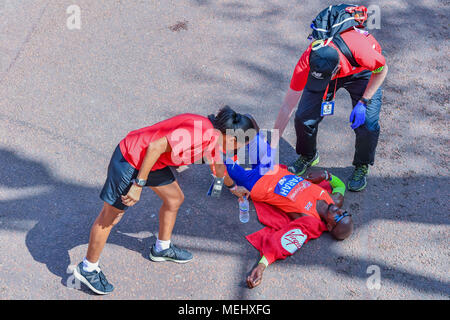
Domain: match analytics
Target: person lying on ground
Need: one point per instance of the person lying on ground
(309, 208)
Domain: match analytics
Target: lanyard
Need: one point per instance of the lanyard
(326, 91)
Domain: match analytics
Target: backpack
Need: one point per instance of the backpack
(332, 21)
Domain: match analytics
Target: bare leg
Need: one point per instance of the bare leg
(172, 198)
(106, 220)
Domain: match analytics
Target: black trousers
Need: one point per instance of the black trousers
(307, 118)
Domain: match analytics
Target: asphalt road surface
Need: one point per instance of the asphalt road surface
(67, 97)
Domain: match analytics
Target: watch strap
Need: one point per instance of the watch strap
(139, 182)
(365, 101)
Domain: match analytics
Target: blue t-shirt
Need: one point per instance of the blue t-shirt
(261, 156)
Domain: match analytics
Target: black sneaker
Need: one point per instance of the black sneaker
(174, 254)
(358, 180)
(96, 281)
(300, 165)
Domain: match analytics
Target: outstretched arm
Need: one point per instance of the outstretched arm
(286, 110)
(338, 190)
(297, 84)
(255, 277)
(337, 185)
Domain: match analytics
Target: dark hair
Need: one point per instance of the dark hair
(228, 119)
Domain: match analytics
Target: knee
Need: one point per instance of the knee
(306, 120)
(305, 114)
(109, 216)
(174, 203)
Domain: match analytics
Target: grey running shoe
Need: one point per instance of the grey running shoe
(300, 165)
(96, 281)
(358, 181)
(174, 254)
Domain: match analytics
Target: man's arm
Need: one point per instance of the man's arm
(286, 110)
(376, 80)
(358, 114)
(337, 185)
(296, 86)
(154, 151)
(338, 190)
(255, 278)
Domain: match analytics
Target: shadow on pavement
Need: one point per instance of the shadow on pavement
(57, 215)
(59, 218)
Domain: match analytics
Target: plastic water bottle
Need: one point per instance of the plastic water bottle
(244, 214)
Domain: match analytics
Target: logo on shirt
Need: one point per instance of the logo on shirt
(293, 240)
(301, 186)
(308, 205)
(317, 75)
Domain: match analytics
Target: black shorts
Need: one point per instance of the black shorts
(120, 174)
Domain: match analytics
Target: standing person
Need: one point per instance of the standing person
(344, 56)
(142, 159)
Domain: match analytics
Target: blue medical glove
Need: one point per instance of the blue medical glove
(358, 115)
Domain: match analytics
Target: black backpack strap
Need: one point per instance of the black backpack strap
(342, 46)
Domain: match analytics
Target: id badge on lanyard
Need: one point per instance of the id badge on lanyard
(327, 107)
(216, 187)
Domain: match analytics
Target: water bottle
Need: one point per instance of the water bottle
(244, 215)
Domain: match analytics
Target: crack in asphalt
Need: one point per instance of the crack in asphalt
(24, 43)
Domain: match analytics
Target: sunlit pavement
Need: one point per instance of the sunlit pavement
(67, 97)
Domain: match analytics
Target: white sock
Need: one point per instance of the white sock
(89, 266)
(162, 245)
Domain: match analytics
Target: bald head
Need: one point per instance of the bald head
(343, 228)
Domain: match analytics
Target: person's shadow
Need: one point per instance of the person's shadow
(64, 213)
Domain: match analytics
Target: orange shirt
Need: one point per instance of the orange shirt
(288, 192)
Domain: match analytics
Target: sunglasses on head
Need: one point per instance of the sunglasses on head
(339, 218)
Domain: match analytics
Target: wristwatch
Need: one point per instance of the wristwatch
(232, 186)
(365, 101)
(139, 182)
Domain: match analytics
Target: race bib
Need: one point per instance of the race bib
(289, 186)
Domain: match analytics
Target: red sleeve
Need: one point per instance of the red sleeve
(301, 71)
(287, 240)
(188, 140)
(180, 141)
(368, 53)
